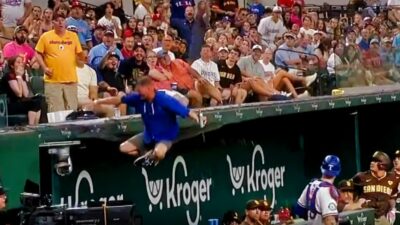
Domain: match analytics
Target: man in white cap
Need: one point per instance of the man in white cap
(223, 53)
(270, 26)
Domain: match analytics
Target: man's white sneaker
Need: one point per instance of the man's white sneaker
(304, 95)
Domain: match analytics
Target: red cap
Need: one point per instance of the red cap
(156, 16)
(76, 4)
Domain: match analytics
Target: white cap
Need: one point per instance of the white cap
(223, 49)
(257, 47)
(367, 18)
(374, 41)
(277, 9)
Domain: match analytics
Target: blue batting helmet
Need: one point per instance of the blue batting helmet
(331, 166)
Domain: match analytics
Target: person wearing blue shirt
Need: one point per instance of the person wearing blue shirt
(159, 113)
(178, 8)
(84, 32)
(257, 8)
(285, 57)
(97, 53)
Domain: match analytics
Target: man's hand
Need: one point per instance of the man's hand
(229, 13)
(391, 216)
(194, 116)
(48, 71)
(112, 91)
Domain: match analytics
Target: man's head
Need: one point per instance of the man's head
(268, 54)
(164, 58)
(290, 39)
(331, 166)
(231, 218)
(256, 52)
(76, 10)
(147, 41)
(99, 32)
(167, 42)
(234, 55)
(108, 38)
(189, 13)
(3, 198)
(36, 12)
(374, 45)
(83, 58)
(387, 43)
(223, 53)
(265, 211)
(140, 52)
(365, 34)
(380, 162)
(59, 22)
(20, 34)
(206, 52)
(110, 9)
(252, 210)
(396, 160)
(112, 61)
(146, 88)
(276, 12)
(346, 191)
(129, 43)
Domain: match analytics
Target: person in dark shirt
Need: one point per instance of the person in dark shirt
(14, 85)
(178, 7)
(230, 78)
(108, 79)
(133, 68)
(224, 8)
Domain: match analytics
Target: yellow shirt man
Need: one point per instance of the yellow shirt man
(59, 54)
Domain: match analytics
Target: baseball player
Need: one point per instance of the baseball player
(379, 188)
(318, 202)
(396, 172)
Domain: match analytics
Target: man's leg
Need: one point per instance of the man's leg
(207, 90)
(133, 146)
(195, 99)
(54, 97)
(161, 149)
(239, 95)
(70, 96)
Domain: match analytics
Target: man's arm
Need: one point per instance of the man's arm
(93, 92)
(40, 60)
(329, 220)
(109, 101)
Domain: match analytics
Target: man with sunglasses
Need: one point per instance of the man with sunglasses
(380, 188)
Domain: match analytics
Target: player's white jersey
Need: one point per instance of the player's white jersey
(320, 199)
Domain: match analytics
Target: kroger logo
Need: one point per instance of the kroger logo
(251, 178)
(178, 194)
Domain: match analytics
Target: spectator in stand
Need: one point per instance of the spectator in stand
(183, 75)
(245, 48)
(87, 88)
(143, 9)
(285, 58)
(97, 53)
(296, 15)
(98, 34)
(241, 17)
(109, 81)
(19, 46)
(47, 22)
(161, 77)
(231, 78)
(57, 51)
(271, 26)
(127, 49)
(224, 8)
(223, 53)
(132, 69)
(265, 212)
(387, 53)
(119, 11)
(110, 21)
(14, 13)
(167, 42)
(349, 196)
(231, 218)
(396, 164)
(148, 42)
(252, 213)
(76, 19)
(178, 7)
(16, 88)
(307, 28)
(209, 86)
(130, 27)
(62, 8)
(257, 8)
(33, 17)
(321, 26)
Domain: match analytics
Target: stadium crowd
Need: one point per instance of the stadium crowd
(208, 53)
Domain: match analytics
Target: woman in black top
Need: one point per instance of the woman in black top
(15, 86)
